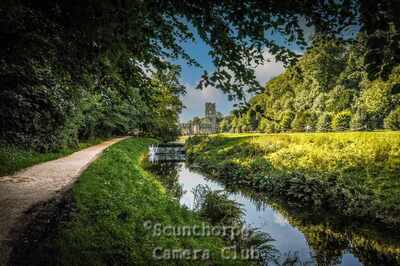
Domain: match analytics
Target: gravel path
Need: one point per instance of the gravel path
(36, 184)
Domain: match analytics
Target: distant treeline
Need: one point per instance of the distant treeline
(329, 88)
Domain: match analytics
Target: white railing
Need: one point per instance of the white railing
(153, 153)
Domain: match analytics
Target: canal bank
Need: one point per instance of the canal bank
(291, 243)
(106, 216)
(310, 201)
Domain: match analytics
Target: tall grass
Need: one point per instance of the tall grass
(366, 159)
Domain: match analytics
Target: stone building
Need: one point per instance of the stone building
(203, 125)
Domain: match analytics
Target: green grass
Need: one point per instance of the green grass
(14, 158)
(356, 167)
(113, 198)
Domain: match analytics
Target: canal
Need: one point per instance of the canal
(300, 238)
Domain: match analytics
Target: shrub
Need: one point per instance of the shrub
(359, 120)
(216, 207)
(272, 127)
(286, 120)
(304, 121)
(262, 125)
(341, 121)
(268, 126)
(373, 105)
(325, 122)
(392, 121)
(39, 116)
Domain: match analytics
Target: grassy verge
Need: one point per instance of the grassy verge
(14, 158)
(352, 173)
(112, 200)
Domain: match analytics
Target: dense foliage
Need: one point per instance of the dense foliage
(328, 89)
(71, 70)
(54, 110)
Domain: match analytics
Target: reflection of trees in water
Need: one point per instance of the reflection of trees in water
(370, 256)
(328, 248)
(167, 173)
(331, 236)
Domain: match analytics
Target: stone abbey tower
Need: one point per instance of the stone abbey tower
(211, 116)
(210, 110)
(202, 125)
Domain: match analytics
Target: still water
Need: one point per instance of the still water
(299, 237)
(288, 239)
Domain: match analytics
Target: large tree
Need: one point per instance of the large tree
(77, 32)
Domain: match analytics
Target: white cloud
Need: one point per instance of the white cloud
(195, 100)
(269, 69)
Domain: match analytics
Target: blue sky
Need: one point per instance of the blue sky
(195, 99)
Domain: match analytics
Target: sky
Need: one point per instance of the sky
(195, 99)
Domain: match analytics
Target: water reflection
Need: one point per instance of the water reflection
(301, 237)
(168, 173)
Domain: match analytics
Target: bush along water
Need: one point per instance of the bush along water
(243, 161)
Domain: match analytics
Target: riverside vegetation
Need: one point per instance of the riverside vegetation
(353, 174)
(328, 89)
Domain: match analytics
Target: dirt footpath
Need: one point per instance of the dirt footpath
(36, 184)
